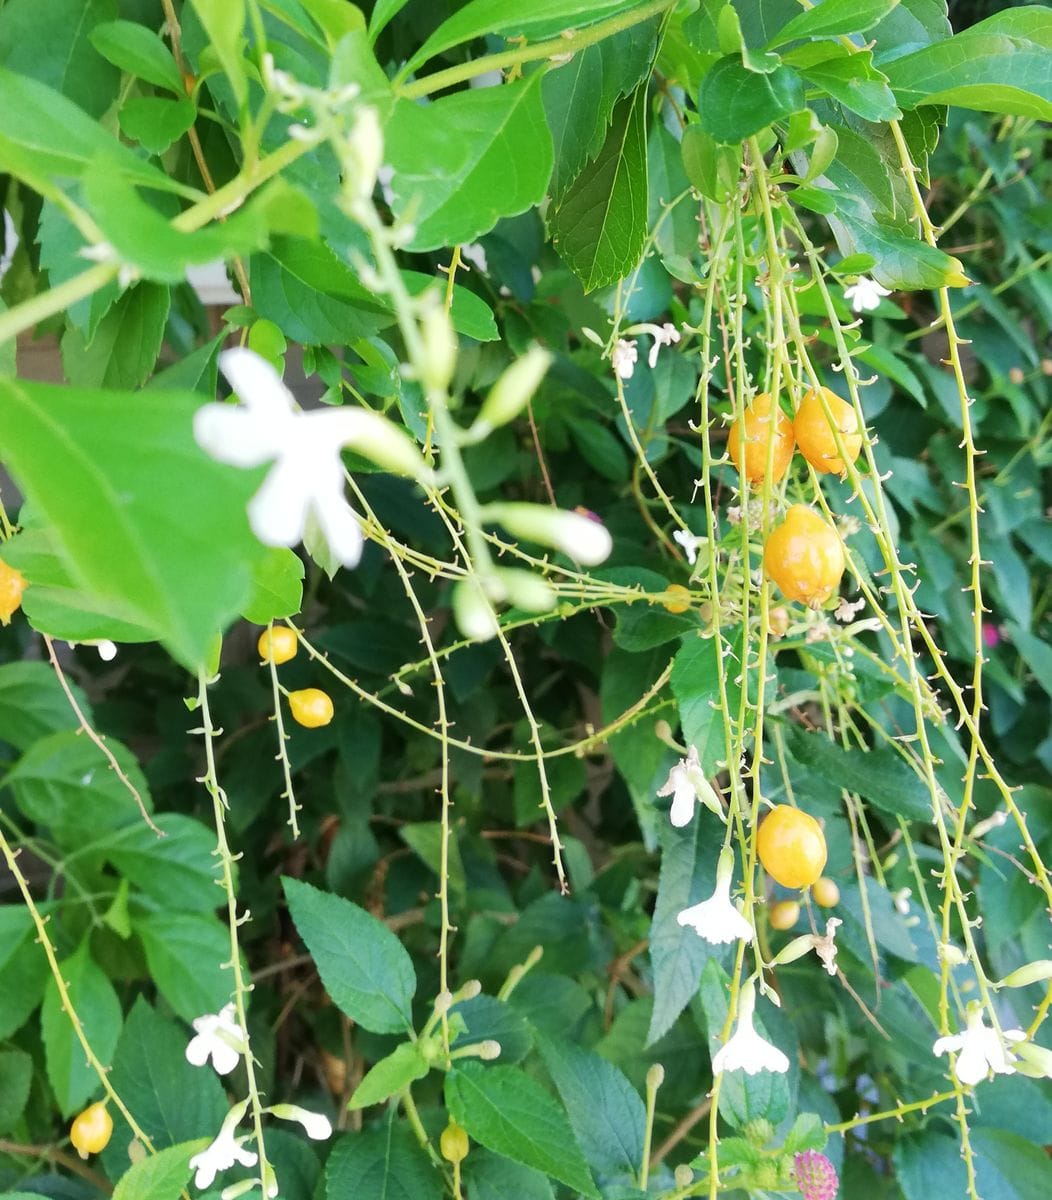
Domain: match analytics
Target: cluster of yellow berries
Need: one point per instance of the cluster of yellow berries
(310, 707)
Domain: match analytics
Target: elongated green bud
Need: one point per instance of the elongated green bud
(440, 346)
(1035, 972)
(512, 391)
(472, 611)
(1033, 1060)
(527, 591)
(584, 538)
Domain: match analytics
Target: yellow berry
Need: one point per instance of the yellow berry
(792, 846)
(311, 708)
(12, 585)
(784, 914)
(677, 598)
(804, 556)
(277, 645)
(814, 431)
(825, 892)
(759, 431)
(91, 1130)
(453, 1143)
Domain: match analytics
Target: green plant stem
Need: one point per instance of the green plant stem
(55, 300)
(896, 1113)
(552, 48)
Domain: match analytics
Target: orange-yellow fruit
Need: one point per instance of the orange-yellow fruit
(12, 585)
(784, 914)
(453, 1143)
(311, 708)
(277, 645)
(778, 621)
(792, 847)
(677, 598)
(805, 557)
(91, 1130)
(825, 892)
(760, 430)
(814, 433)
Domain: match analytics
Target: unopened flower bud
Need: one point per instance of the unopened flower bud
(1016, 375)
(381, 441)
(527, 591)
(583, 538)
(795, 949)
(1033, 1060)
(443, 1003)
(473, 612)
(1035, 972)
(364, 153)
(683, 1176)
(440, 345)
(470, 990)
(655, 1077)
(453, 1143)
(489, 1050)
(512, 391)
(317, 1125)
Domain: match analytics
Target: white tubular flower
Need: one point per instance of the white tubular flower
(307, 477)
(577, 532)
(979, 1049)
(745, 1049)
(717, 920)
(690, 543)
(623, 358)
(317, 1125)
(224, 1152)
(219, 1037)
(864, 295)
(686, 784)
(663, 335)
(825, 946)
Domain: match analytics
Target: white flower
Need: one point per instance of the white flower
(317, 1125)
(901, 899)
(107, 650)
(663, 335)
(717, 920)
(979, 1049)
(224, 1152)
(865, 294)
(745, 1049)
(690, 543)
(623, 357)
(845, 610)
(307, 477)
(825, 946)
(686, 783)
(220, 1037)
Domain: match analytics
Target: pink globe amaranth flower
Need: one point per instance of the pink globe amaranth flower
(815, 1176)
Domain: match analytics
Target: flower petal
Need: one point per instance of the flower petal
(233, 435)
(224, 1058)
(340, 527)
(944, 1044)
(198, 1050)
(278, 511)
(258, 385)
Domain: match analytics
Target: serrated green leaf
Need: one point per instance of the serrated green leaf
(277, 587)
(834, 17)
(364, 967)
(176, 870)
(185, 953)
(33, 704)
(405, 1065)
(383, 1164)
(155, 122)
(852, 80)
(126, 342)
(492, 1177)
(16, 1074)
(734, 102)
(903, 262)
(162, 1176)
(695, 684)
(508, 1112)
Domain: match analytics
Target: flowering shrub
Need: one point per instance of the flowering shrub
(523, 669)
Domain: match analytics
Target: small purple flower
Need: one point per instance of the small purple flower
(991, 635)
(815, 1176)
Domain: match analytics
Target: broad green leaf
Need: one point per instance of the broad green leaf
(384, 12)
(124, 348)
(606, 1113)
(90, 992)
(712, 168)
(24, 967)
(139, 51)
(695, 684)
(734, 102)
(405, 1065)
(859, 171)
(1037, 655)
(579, 98)
(16, 1074)
(383, 1164)
(55, 47)
(185, 953)
(172, 1100)
(141, 515)
(856, 84)
(881, 776)
(889, 927)
(175, 871)
(224, 22)
(65, 782)
(472, 316)
(277, 587)
(508, 1112)
(61, 244)
(678, 955)
(600, 227)
(465, 161)
(541, 18)
(155, 122)
(912, 24)
(33, 704)
(903, 262)
(161, 1176)
(364, 967)
(492, 1177)
(488, 1018)
(834, 17)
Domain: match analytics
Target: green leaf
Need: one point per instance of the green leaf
(579, 98)
(734, 102)
(601, 226)
(881, 776)
(140, 514)
(834, 17)
(606, 1113)
(65, 782)
(224, 22)
(492, 1177)
(176, 870)
(1037, 655)
(488, 1018)
(384, 12)
(16, 1074)
(390, 1075)
(126, 343)
(695, 684)
(856, 84)
(32, 703)
(155, 122)
(364, 967)
(90, 992)
(464, 161)
(678, 955)
(383, 1164)
(185, 953)
(1007, 1167)
(508, 1112)
(277, 587)
(139, 51)
(24, 967)
(54, 47)
(903, 263)
(472, 316)
(711, 168)
(162, 1176)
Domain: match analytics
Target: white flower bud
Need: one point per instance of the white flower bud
(382, 442)
(473, 612)
(583, 538)
(1033, 1060)
(317, 1125)
(512, 391)
(364, 153)
(488, 1050)
(527, 591)
(440, 345)
(470, 990)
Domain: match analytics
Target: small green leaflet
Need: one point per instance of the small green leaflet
(735, 102)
